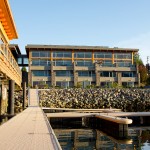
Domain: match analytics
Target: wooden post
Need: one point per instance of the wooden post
(11, 98)
(24, 95)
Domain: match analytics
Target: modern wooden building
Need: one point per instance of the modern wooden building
(9, 69)
(69, 66)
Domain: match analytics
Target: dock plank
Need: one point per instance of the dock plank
(27, 131)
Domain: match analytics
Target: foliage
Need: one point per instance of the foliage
(143, 73)
(142, 69)
(114, 85)
(137, 59)
(79, 85)
(24, 69)
(148, 80)
(90, 86)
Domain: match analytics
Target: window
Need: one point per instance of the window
(128, 74)
(123, 56)
(40, 54)
(122, 63)
(40, 62)
(35, 62)
(86, 73)
(25, 60)
(103, 55)
(84, 63)
(83, 54)
(63, 63)
(19, 60)
(108, 74)
(45, 73)
(35, 54)
(61, 54)
(66, 73)
(107, 63)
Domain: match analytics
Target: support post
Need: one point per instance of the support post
(24, 95)
(11, 98)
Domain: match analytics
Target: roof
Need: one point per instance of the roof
(74, 47)
(7, 21)
(15, 50)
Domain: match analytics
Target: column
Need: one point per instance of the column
(75, 74)
(97, 75)
(3, 98)
(119, 79)
(53, 74)
(11, 98)
(24, 95)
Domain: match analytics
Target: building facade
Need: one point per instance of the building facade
(69, 66)
(9, 69)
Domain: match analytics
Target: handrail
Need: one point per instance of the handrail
(13, 63)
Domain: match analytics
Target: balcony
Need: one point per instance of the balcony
(105, 68)
(129, 79)
(86, 79)
(9, 66)
(40, 78)
(62, 67)
(108, 79)
(64, 78)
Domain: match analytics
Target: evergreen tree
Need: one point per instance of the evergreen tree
(24, 69)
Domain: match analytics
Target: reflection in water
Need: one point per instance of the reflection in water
(81, 138)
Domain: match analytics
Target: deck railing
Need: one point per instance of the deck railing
(7, 56)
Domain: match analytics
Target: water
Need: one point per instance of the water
(72, 135)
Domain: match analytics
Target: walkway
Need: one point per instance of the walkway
(28, 130)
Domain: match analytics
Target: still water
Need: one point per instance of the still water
(72, 135)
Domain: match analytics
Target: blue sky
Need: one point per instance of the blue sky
(113, 23)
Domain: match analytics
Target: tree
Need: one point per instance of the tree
(148, 81)
(24, 69)
(137, 59)
(143, 73)
(142, 69)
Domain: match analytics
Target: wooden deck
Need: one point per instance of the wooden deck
(28, 130)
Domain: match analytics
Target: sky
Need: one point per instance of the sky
(113, 23)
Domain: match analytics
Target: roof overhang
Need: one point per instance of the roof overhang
(7, 21)
(72, 47)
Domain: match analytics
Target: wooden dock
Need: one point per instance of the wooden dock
(28, 130)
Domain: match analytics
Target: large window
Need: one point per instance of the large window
(86, 73)
(121, 63)
(25, 60)
(107, 63)
(108, 74)
(83, 54)
(61, 54)
(19, 60)
(40, 62)
(63, 63)
(123, 55)
(103, 55)
(40, 54)
(63, 73)
(84, 63)
(128, 74)
(45, 73)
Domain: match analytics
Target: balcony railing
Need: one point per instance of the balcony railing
(9, 59)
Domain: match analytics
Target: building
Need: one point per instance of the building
(10, 72)
(69, 66)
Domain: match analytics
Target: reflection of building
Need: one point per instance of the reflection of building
(70, 65)
(9, 70)
(91, 139)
